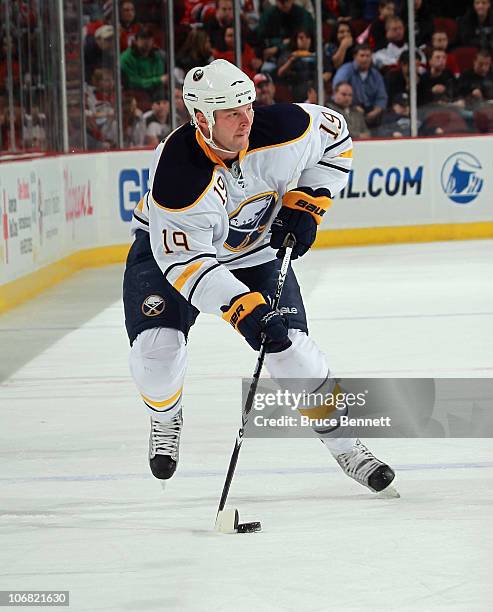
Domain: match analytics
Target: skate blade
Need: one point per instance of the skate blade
(389, 492)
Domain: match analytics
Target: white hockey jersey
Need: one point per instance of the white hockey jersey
(206, 218)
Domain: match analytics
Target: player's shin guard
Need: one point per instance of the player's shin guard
(303, 367)
(307, 370)
(157, 363)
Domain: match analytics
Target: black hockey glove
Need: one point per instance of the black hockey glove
(301, 212)
(252, 317)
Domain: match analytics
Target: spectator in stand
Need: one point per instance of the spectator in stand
(476, 26)
(195, 51)
(265, 88)
(342, 102)
(182, 115)
(157, 121)
(375, 32)
(306, 4)
(298, 65)
(98, 51)
(369, 92)
(100, 109)
(128, 26)
(311, 96)
(438, 83)
(475, 86)
(395, 34)
(397, 80)
(423, 21)
(132, 122)
(396, 121)
(439, 40)
(278, 24)
(142, 65)
(250, 63)
(340, 49)
(216, 27)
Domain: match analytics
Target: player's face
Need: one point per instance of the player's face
(232, 127)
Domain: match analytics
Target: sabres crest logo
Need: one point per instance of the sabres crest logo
(153, 305)
(250, 220)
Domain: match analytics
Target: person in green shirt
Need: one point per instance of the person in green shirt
(142, 65)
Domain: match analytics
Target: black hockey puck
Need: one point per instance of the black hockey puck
(249, 527)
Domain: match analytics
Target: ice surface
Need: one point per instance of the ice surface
(79, 510)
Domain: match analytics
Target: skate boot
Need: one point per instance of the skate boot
(164, 445)
(360, 464)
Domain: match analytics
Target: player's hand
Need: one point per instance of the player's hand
(253, 318)
(297, 222)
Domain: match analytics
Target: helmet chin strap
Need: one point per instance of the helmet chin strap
(211, 142)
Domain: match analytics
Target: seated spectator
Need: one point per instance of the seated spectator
(142, 64)
(216, 27)
(98, 51)
(306, 4)
(475, 86)
(439, 40)
(128, 26)
(157, 121)
(476, 26)
(250, 63)
(395, 34)
(396, 121)
(195, 51)
(369, 92)
(100, 109)
(182, 115)
(437, 83)
(340, 49)
(397, 80)
(375, 32)
(342, 102)
(278, 24)
(132, 122)
(423, 21)
(299, 64)
(311, 95)
(265, 88)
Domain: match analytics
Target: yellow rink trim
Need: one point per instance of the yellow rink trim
(18, 291)
(402, 234)
(26, 287)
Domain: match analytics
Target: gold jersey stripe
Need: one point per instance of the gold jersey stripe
(348, 153)
(186, 274)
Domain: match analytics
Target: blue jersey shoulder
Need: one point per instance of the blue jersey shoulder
(277, 124)
(183, 171)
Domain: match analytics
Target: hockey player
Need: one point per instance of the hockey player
(225, 190)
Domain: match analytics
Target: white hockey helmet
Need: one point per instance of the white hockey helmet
(219, 85)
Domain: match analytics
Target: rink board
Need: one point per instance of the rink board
(63, 213)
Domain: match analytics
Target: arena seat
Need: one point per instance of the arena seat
(464, 57)
(483, 119)
(449, 120)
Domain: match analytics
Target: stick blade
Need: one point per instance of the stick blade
(227, 521)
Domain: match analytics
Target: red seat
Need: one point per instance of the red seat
(359, 25)
(449, 122)
(464, 57)
(483, 119)
(445, 24)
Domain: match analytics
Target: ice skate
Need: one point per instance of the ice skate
(361, 465)
(164, 443)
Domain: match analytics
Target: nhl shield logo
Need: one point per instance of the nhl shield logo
(153, 305)
(198, 74)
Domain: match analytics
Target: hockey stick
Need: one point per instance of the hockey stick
(288, 244)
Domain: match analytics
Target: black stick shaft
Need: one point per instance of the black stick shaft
(288, 244)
